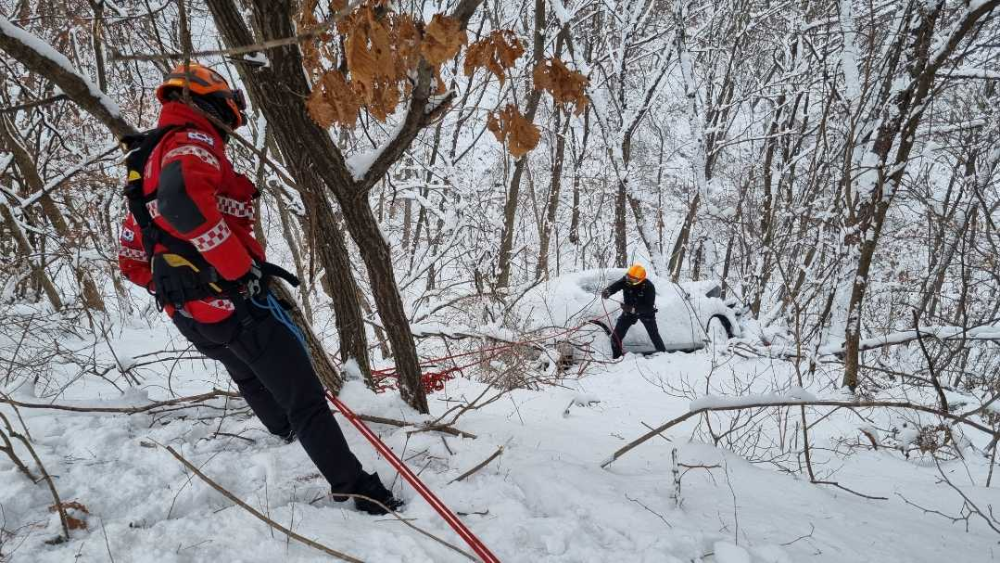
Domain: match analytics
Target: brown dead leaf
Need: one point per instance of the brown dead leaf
(566, 86)
(319, 109)
(333, 101)
(443, 38)
(72, 522)
(305, 23)
(520, 134)
(497, 52)
(405, 37)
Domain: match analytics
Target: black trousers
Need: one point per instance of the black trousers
(625, 322)
(275, 376)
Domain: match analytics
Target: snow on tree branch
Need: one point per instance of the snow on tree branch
(39, 57)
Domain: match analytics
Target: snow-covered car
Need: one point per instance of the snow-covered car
(689, 315)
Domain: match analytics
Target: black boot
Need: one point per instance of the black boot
(371, 487)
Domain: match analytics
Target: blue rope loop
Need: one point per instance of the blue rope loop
(272, 305)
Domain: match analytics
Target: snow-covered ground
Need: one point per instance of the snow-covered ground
(545, 498)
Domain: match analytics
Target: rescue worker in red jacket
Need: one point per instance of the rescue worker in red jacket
(188, 239)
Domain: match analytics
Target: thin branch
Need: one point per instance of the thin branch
(263, 46)
(792, 403)
(35, 104)
(125, 410)
(256, 514)
(481, 465)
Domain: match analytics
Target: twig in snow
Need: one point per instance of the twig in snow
(648, 427)
(446, 429)
(251, 440)
(107, 544)
(812, 528)
(445, 442)
(483, 464)
(736, 511)
(257, 514)
(650, 510)
(954, 519)
(970, 506)
(853, 492)
(41, 469)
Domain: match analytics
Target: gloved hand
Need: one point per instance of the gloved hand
(605, 294)
(251, 282)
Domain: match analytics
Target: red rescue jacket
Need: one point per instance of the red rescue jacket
(199, 199)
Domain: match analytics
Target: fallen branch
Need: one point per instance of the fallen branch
(481, 465)
(194, 399)
(258, 515)
(794, 403)
(426, 428)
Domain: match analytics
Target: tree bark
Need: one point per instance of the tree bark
(288, 122)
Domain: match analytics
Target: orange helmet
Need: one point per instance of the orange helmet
(636, 274)
(203, 81)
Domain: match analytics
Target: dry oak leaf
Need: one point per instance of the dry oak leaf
(405, 37)
(369, 51)
(333, 101)
(72, 522)
(306, 23)
(496, 52)
(520, 134)
(443, 39)
(566, 86)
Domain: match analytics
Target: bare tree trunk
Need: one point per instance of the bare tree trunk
(91, 297)
(279, 90)
(542, 270)
(574, 224)
(293, 245)
(24, 246)
(268, 92)
(510, 207)
(899, 121)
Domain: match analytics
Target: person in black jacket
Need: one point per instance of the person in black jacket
(639, 305)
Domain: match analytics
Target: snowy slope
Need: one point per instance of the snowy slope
(544, 499)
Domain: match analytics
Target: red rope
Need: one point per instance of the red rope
(614, 335)
(435, 380)
(475, 543)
